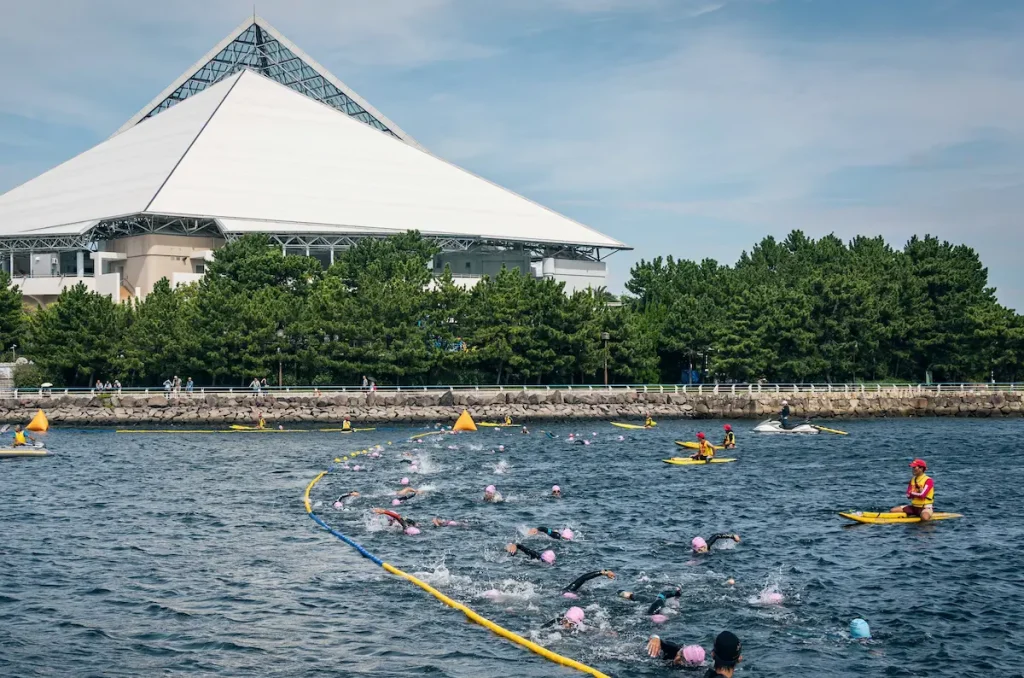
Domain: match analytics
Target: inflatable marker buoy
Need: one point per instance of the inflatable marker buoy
(39, 422)
(465, 422)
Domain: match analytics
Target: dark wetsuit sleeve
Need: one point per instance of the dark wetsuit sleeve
(716, 537)
(527, 551)
(580, 581)
(554, 534)
(669, 650)
(659, 602)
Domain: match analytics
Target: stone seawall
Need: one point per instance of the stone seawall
(444, 406)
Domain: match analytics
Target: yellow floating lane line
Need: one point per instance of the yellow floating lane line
(454, 604)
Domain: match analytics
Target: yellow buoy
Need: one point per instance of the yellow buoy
(465, 422)
(39, 422)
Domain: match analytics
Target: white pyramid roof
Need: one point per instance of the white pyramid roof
(256, 155)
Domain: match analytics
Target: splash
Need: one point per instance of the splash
(501, 467)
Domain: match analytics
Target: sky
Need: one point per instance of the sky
(684, 127)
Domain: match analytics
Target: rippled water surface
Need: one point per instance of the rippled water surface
(135, 554)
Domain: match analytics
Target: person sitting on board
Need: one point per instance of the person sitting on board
(784, 415)
(508, 420)
(920, 491)
(346, 425)
(261, 423)
(648, 422)
(729, 442)
(699, 545)
(21, 438)
(705, 450)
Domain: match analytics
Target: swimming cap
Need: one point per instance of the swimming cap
(338, 504)
(490, 489)
(414, 467)
(772, 598)
(698, 543)
(700, 436)
(412, 531)
(356, 467)
(727, 649)
(918, 462)
(628, 595)
(859, 629)
(567, 534)
(501, 447)
(659, 618)
(575, 615)
(693, 655)
(452, 523)
(548, 557)
(569, 594)
(404, 481)
(396, 502)
(556, 488)
(727, 428)
(785, 402)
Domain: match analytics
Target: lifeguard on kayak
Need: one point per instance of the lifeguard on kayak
(920, 491)
(705, 450)
(648, 422)
(729, 442)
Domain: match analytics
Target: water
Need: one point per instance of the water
(143, 554)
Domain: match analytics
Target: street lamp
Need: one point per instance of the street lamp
(280, 367)
(14, 353)
(605, 337)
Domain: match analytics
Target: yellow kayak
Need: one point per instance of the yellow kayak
(491, 424)
(686, 461)
(341, 430)
(25, 451)
(695, 446)
(888, 517)
(630, 426)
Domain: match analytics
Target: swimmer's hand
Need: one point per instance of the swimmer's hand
(379, 511)
(532, 531)
(736, 538)
(608, 573)
(511, 548)
(654, 647)
(438, 522)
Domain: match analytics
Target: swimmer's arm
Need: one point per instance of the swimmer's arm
(525, 550)
(583, 579)
(554, 534)
(656, 647)
(724, 535)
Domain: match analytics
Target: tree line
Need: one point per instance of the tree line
(799, 310)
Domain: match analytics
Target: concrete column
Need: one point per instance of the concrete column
(12, 264)
(80, 263)
(307, 250)
(332, 256)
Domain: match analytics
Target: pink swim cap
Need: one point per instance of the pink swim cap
(575, 615)
(698, 543)
(586, 442)
(501, 447)
(356, 467)
(452, 523)
(556, 488)
(693, 655)
(569, 594)
(412, 531)
(396, 502)
(548, 557)
(337, 504)
(771, 598)
(490, 489)
(659, 618)
(404, 481)
(567, 534)
(414, 467)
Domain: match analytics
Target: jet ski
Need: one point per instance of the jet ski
(773, 426)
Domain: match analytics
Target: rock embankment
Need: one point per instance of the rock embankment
(444, 406)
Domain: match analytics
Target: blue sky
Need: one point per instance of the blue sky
(684, 127)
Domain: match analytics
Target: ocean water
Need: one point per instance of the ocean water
(173, 554)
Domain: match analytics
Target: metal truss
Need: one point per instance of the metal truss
(47, 243)
(259, 50)
(142, 224)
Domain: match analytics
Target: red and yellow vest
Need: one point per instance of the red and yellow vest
(916, 485)
(730, 438)
(706, 449)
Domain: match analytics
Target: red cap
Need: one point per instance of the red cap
(700, 435)
(727, 427)
(918, 462)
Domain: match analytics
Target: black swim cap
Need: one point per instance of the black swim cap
(727, 649)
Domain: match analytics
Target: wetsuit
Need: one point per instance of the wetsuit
(659, 602)
(716, 537)
(398, 519)
(669, 650)
(583, 579)
(784, 417)
(346, 496)
(526, 551)
(554, 534)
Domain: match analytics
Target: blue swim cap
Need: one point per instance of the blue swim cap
(859, 629)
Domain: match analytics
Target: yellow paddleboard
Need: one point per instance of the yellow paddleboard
(632, 426)
(695, 446)
(887, 517)
(341, 430)
(686, 461)
(26, 451)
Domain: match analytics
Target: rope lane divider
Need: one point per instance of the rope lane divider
(454, 604)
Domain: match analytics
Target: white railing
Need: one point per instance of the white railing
(697, 389)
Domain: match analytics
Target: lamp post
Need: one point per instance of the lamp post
(280, 366)
(14, 353)
(605, 337)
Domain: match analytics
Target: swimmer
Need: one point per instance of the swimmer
(441, 522)
(572, 620)
(662, 598)
(526, 431)
(340, 503)
(393, 517)
(491, 495)
(583, 579)
(556, 492)
(549, 434)
(565, 534)
(546, 557)
(690, 655)
(407, 492)
(700, 546)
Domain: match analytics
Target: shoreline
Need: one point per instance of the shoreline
(553, 405)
